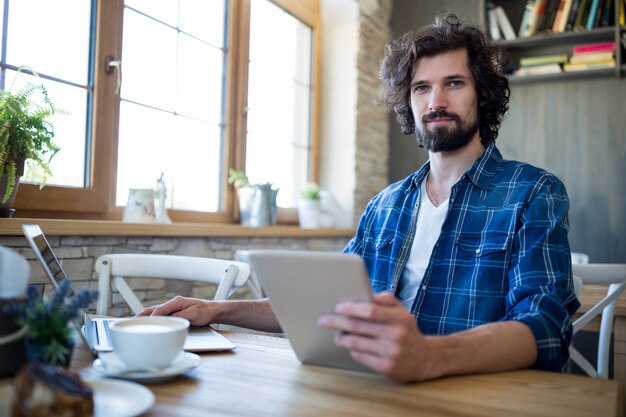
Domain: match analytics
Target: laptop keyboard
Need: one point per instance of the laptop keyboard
(107, 329)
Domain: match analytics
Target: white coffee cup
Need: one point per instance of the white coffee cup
(149, 342)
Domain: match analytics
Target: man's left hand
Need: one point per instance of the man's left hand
(382, 335)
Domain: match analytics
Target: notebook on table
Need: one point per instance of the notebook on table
(95, 331)
(302, 286)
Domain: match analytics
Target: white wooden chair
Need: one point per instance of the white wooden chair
(613, 275)
(227, 275)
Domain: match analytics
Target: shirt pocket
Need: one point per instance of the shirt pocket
(380, 240)
(483, 245)
(481, 265)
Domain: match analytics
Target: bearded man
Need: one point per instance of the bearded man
(468, 257)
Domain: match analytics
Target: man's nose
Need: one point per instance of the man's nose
(438, 100)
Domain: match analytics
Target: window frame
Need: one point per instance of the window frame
(98, 201)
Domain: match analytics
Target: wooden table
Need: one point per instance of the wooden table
(262, 377)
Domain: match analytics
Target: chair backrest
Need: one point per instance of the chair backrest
(613, 275)
(226, 274)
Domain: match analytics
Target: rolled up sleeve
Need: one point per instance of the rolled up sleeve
(541, 292)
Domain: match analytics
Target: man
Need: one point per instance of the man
(468, 256)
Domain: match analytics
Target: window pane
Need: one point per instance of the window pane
(38, 28)
(164, 10)
(279, 100)
(35, 30)
(148, 61)
(68, 165)
(171, 119)
(203, 19)
(187, 152)
(200, 76)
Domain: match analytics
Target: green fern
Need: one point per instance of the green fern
(25, 131)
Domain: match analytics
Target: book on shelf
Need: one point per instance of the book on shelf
(549, 15)
(594, 47)
(587, 67)
(494, 29)
(603, 6)
(592, 57)
(593, 11)
(607, 14)
(538, 70)
(538, 7)
(571, 19)
(581, 13)
(543, 59)
(528, 11)
(561, 16)
(504, 23)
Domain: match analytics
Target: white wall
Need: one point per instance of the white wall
(340, 43)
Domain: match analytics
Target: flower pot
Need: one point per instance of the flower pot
(11, 342)
(6, 208)
(309, 213)
(36, 352)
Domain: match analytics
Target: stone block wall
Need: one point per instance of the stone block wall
(78, 254)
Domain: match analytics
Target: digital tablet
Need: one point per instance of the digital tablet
(304, 285)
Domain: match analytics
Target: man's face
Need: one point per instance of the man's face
(444, 102)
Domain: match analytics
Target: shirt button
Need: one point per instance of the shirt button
(423, 287)
(477, 251)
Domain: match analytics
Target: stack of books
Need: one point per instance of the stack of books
(592, 56)
(538, 65)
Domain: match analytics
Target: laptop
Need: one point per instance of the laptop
(95, 331)
(302, 286)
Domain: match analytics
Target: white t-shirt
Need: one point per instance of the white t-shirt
(429, 222)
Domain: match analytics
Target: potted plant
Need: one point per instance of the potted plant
(49, 324)
(309, 206)
(26, 134)
(257, 202)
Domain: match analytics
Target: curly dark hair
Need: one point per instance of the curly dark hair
(446, 34)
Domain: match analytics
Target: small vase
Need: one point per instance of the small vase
(35, 352)
(309, 213)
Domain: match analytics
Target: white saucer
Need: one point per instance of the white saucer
(109, 364)
(119, 398)
(111, 398)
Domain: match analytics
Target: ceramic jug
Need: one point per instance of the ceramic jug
(257, 205)
(140, 207)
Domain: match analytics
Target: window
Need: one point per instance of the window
(203, 89)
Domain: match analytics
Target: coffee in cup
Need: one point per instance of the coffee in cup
(149, 342)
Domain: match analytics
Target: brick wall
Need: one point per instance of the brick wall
(78, 254)
(372, 124)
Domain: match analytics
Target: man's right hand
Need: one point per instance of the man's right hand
(198, 312)
(252, 314)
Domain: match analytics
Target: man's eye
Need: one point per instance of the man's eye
(420, 88)
(456, 83)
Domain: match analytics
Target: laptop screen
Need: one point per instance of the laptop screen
(52, 267)
(46, 256)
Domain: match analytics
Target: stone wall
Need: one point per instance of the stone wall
(78, 254)
(372, 132)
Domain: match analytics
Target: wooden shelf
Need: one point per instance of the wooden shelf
(563, 76)
(557, 39)
(13, 227)
(558, 43)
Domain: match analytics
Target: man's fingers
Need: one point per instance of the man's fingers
(385, 309)
(145, 312)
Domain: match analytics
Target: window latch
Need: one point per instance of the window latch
(114, 65)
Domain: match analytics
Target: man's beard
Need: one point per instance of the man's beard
(445, 138)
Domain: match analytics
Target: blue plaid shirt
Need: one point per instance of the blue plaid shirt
(503, 252)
